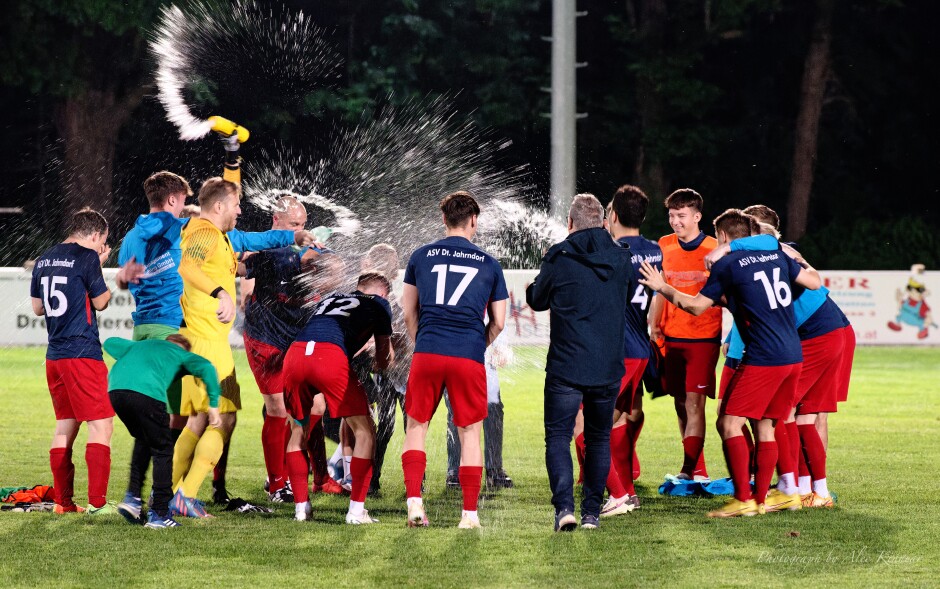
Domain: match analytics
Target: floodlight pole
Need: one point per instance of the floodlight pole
(564, 106)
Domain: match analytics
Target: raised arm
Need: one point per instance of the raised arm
(695, 305)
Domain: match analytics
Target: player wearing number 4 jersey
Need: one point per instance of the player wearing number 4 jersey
(449, 284)
(625, 214)
(757, 289)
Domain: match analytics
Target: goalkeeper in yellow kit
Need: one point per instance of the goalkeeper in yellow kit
(208, 268)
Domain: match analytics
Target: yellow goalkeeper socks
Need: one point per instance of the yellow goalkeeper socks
(208, 451)
(183, 455)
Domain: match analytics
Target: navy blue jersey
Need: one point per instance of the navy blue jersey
(348, 320)
(66, 277)
(636, 341)
(456, 281)
(759, 290)
(275, 311)
(829, 317)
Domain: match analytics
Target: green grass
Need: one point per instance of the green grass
(885, 531)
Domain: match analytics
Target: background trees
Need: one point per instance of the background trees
(815, 107)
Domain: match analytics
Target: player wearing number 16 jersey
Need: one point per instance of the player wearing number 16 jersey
(757, 289)
(449, 285)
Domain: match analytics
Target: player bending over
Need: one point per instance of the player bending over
(317, 363)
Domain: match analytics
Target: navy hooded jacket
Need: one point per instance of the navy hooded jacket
(585, 281)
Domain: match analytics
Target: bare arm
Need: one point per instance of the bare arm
(655, 316)
(100, 302)
(695, 305)
(409, 307)
(497, 314)
(808, 278)
(384, 354)
(38, 309)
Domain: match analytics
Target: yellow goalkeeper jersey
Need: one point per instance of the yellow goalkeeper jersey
(208, 263)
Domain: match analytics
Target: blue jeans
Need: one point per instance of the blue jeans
(561, 408)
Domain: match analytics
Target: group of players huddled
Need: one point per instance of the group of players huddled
(307, 328)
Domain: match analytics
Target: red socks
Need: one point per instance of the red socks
(621, 461)
(63, 475)
(579, 452)
(413, 464)
(804, 470)
(766, 460)
(274, 434)
(361, 469)
(297, 471)
(738, 459)
(786, 460)
(470, 485)
(693, 462)
(98, 458)
(815, 451)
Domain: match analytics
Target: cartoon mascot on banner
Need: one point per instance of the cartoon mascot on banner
(912, 304)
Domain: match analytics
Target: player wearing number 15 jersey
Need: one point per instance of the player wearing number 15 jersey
(449, 286)
(67, 288)
(757, 289)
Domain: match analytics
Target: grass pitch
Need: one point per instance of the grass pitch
(884, 532)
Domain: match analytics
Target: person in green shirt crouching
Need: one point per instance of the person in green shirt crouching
(137, 385)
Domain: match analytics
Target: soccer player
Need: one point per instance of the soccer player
(208, 269)
(389, 384)
(625, 213)
(757, 288)
(821, 326)
(274, 312)
(137, 386)
(318, 363)
(449, 285)
(67, 289)
(691, 343)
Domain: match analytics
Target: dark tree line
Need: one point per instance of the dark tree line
(818, 108)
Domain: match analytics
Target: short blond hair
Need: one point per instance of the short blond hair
(216, 189)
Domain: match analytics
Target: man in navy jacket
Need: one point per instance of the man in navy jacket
(584, 281)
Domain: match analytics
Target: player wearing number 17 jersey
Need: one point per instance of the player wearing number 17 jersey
(449, 285)
(757, 289)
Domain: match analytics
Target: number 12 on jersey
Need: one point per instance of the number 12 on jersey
(442, 270)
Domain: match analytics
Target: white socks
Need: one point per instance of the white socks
(787, 484)
(820, 488)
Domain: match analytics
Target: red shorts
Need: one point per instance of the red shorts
(464, 379)
(323, 368)
(632, 377)
(845, 370)
(727, 373)
(817, 389)
(266, 362)
(690, 368)
(79, 389)
(761, 392)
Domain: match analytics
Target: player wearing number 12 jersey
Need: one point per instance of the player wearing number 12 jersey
(449, 285)
(318, 362)
(757, 288)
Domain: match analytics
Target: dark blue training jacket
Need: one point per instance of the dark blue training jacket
(584, 281)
